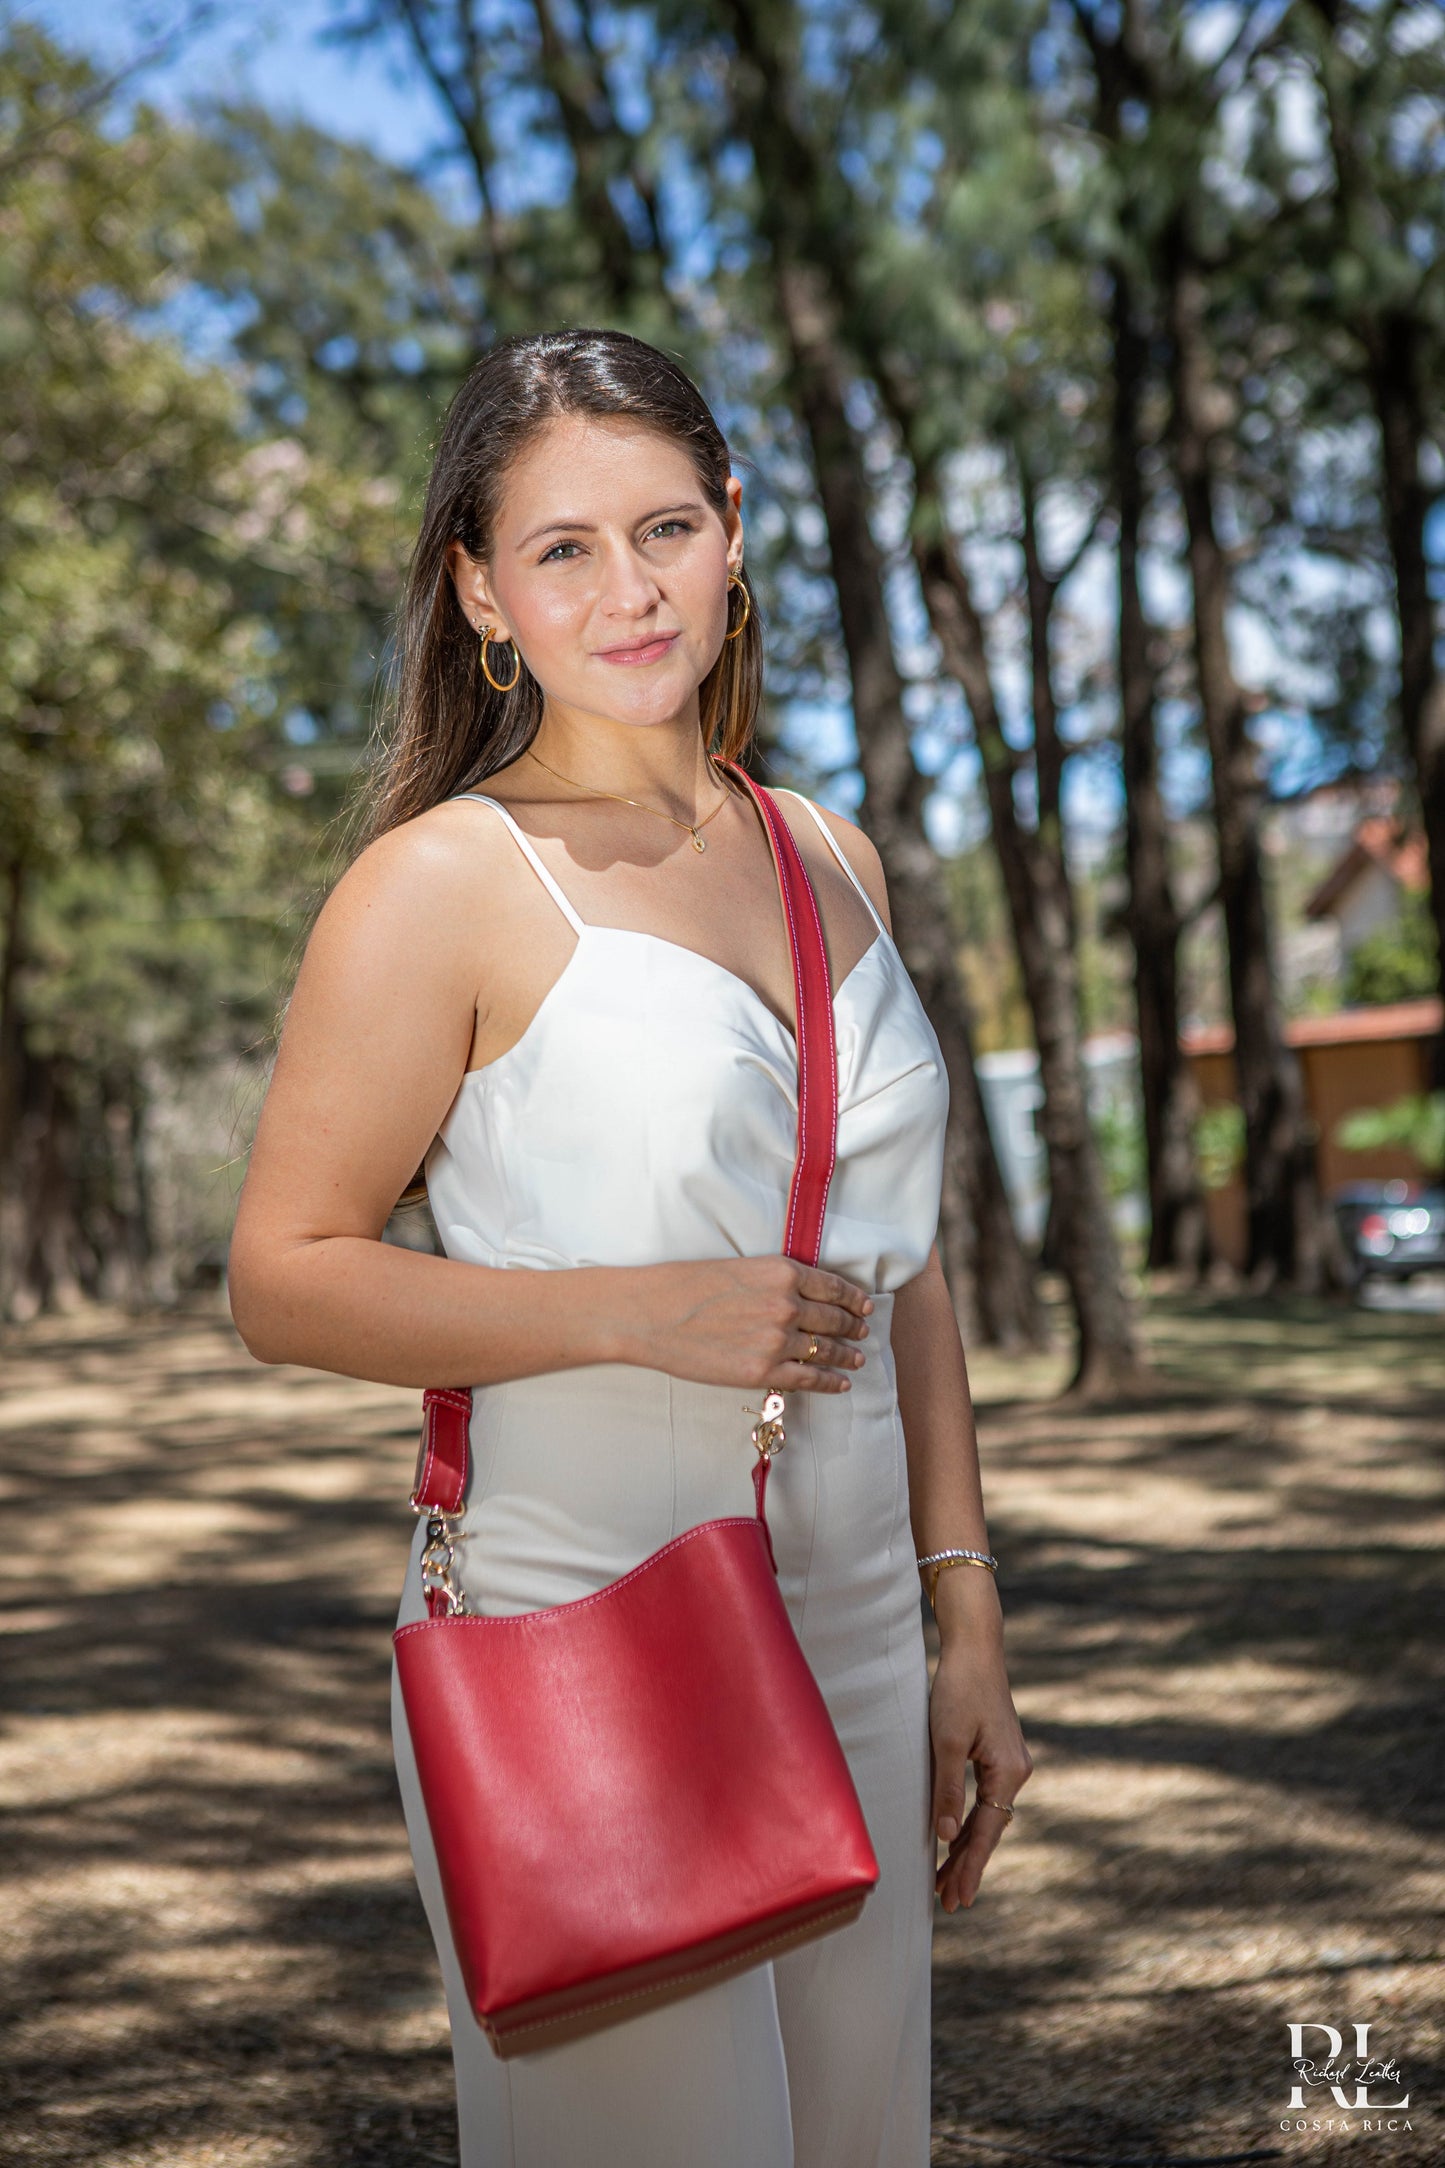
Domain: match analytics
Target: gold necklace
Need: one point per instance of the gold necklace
(692, 827)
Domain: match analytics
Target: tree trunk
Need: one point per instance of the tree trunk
(991, 1280)
(1284, 1234)
(13, 1079)
(1040, 909)
(1398, 343)
(74, 1218)
(12, 1036)
(1393, 344)
(810, 266)
(1178, 1224)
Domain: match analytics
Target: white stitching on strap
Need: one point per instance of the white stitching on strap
(773, 820)
(778, 831)
(453, 1397)
(827, 1033)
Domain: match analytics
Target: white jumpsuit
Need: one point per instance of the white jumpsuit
(649, 1114)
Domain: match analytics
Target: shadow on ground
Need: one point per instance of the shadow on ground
(1223, 1620)
(1221, 1606)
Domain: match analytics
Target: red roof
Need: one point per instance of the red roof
(1386, 1020)
(1379, 841)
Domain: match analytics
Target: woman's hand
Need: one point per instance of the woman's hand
(747, 1321)
(972, 1719)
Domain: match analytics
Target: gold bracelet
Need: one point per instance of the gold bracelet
(942, 1565)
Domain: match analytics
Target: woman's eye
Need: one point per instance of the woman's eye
(680, 526)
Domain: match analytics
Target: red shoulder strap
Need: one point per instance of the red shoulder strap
(441, 1461)
(817, 1053)
(441, 1469)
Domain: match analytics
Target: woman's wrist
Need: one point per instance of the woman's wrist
(966, 1604)
(615, 1331)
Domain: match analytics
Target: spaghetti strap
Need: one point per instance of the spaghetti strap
(832, 842)
(529, 852)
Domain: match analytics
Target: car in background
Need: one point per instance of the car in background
(1391, 1229)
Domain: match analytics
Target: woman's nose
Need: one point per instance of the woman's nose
(628, 584)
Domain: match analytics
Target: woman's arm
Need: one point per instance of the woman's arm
(971, 1711)
(377, 1035)
(972, 1717)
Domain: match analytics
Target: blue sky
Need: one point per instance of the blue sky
(271, 48)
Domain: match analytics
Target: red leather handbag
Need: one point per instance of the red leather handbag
(636, 1793)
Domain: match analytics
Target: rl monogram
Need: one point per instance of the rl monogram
(1362, 2068)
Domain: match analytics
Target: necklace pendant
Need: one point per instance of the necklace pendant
(699, 843)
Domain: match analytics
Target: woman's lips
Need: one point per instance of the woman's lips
(649, 651)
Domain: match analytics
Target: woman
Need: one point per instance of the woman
(557, 976)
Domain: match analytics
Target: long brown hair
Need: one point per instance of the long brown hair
(444, 728)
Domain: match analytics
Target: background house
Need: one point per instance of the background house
(1366, 891)
(1365, 1057)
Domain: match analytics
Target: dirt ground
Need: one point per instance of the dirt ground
(1220, 1607)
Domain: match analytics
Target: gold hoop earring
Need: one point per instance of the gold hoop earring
(488, 634)
(735, 579)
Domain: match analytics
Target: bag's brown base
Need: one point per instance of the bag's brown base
(547, 2020)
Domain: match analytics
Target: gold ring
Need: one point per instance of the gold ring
(999, 1803)
(812, 1354)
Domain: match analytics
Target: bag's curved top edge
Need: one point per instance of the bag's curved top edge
(570, 1609)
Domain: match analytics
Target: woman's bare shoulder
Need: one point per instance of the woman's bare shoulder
(424, 869)
(403, 928)
(378, 1026)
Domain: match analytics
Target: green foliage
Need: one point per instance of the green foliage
(1119, 1127)
(124, 965)
(1397, 962)
(1219, 1144)
(193, 594)
(1415, 1124)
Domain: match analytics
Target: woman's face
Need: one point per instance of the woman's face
(609, 569)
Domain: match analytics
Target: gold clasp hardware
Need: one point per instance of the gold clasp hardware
(769, 1435)
(438, 1561)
